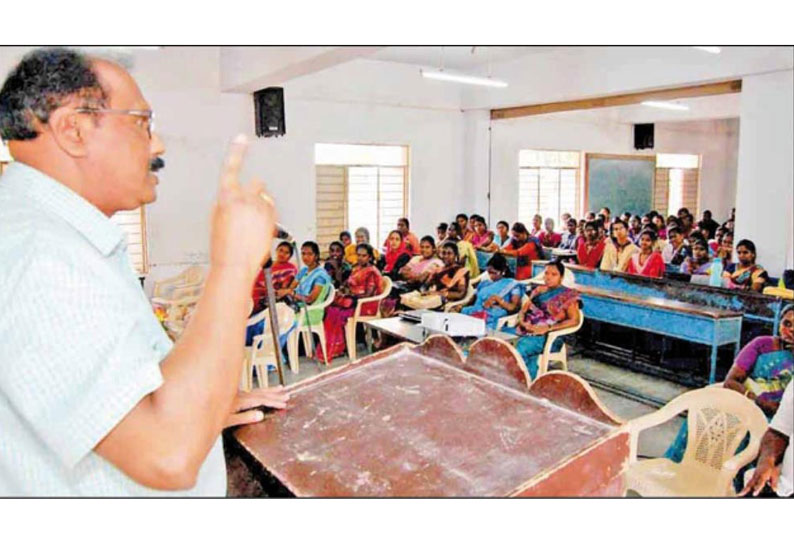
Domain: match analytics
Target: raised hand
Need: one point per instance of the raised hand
(243, 220)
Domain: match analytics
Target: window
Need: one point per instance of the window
(360, 186)
(548, 184)
(677, 183)
(133, 224)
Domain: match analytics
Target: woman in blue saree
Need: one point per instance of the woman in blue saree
(550, 307)
(761, 372)
(496, 297)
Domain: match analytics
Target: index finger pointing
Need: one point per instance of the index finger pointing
(234, 161)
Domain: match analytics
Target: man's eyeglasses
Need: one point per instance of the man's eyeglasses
(145, 116)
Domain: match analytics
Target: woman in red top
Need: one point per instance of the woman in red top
(590, 248)
(646, 262)
(548, 237)
(283, 272)
(523, 249)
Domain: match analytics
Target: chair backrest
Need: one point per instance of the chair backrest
(478, 278)
(718, 420)
(286, 318)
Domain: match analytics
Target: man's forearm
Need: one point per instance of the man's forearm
(772, 448)
(202, 372)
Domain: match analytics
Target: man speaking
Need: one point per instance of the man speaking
(94, 398)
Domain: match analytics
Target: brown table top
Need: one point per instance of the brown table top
(404, 424)
(660, 303)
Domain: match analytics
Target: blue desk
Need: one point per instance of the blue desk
(684, 321)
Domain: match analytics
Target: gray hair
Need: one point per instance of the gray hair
(363, 231)
(39, 84)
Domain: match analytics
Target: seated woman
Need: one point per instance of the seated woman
(441, 232)
(448, 284)
(745, 274)
(502, 233)
(308, 284)
(466, 253)
(548, 237)
(700, 262)
(364, 281)
(497, 297)
(482, 236)
(420, 268)
(550, 307)
(397, 254)
(761, 372)
(523, 249)
(345, 238)
(362, 236)
(283, 273)
(618, 249)
(336, 266)
(661, 228)
(647, 262)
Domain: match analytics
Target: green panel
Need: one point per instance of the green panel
(622, 185)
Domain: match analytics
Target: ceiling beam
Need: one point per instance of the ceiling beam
(695, 91)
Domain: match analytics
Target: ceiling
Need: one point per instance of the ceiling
(456, 57)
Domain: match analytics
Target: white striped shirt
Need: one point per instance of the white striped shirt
(79, 344)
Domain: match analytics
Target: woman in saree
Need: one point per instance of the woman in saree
(283, 272)
(524, 249)
(362, 236)
(450, 283)
(496, 297)
(761, 372)
(646, 262)
(364, 281)
(465, 250)
(700, 262)
(482, 236)
(550, 307)
(397, 254)
(745, 274)
(308, 284)
(336, 266)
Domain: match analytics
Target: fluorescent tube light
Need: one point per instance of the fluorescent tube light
(667, 105)
(460, 78)
(712, 50)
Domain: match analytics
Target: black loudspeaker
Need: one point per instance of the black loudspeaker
(269, 112)
(643, 136)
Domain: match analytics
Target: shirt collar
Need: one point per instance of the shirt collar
(55, 197)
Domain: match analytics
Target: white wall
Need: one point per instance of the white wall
(765, 183)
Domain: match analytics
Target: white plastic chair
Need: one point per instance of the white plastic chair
(305, 331)
(188, 282)
(261, 354)
(561, 356)
(357, 318)
(718, 419)
(177, 312)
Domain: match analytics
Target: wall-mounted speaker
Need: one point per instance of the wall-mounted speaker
(643, 136)
(269, 112)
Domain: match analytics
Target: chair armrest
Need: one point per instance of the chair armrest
(255, 319)
(638, 425)
(509, 321)
(372, 299)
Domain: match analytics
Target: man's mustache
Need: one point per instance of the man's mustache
(156, 164)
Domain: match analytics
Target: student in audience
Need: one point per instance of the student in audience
(466, 253)
(450, 283)
(482, 237)
(687, 225)
(774, 472)
(417, 271)
(548, 237)
(462, 221)
(472, 228)
(550, 307)
(564, 221)
(635, 227)
(570, 237)
(502, 233)
(677, 249)
(336, 266)
(604, 224)
(590, 248)
(351, 250)
(673, 221)
(728, 224)
(700, 261)
(709, 224)
(308, 284)
(580, 229)
(590, 216)
(441, 232)
(345, 238)
(626, 217)
(682, 212)
(497, 296)
(646, 262)
(411, 241)
(714, 244)
(745, 274)
(761, 371)
(524, 249)
(725, 250)
(607, 214)
(661, 228)
(397, 255)
(537, 224)
(619, 248)
(364, 281)
(283, 273)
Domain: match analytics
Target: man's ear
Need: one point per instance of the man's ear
(69, 130)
